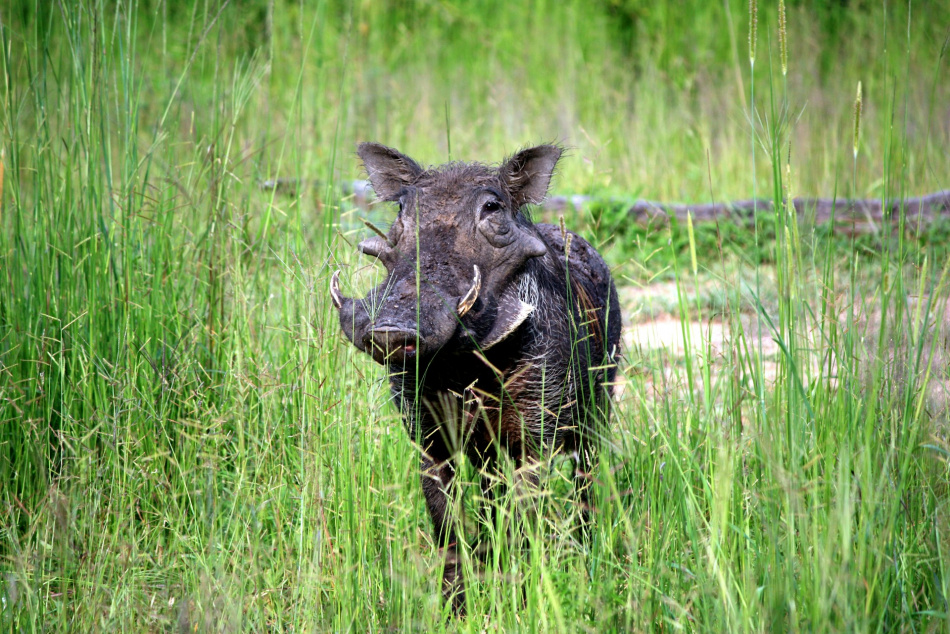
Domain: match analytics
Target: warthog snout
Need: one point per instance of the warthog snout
(393, 344)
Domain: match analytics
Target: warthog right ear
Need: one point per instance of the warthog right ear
(528, 173)
(389, 171)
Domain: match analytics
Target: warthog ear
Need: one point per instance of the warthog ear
(528, 173)
(389, 171)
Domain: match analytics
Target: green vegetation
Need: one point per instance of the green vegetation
(188, 443)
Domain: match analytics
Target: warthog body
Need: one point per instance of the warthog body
(499, 335)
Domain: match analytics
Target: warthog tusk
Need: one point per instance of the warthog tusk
(335, 290)
(466, 303)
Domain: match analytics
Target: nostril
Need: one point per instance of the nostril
(368, 342)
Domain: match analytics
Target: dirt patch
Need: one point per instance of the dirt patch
(676, 337)
(657, 348)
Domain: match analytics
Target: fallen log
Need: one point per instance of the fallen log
(859, 215)
(854, 216)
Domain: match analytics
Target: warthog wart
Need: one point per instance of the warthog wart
(499, 335)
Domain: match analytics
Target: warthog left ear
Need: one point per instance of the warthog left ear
(389, 171)
(512, 311)
(528, 173)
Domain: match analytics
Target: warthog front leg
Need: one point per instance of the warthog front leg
(437, 479)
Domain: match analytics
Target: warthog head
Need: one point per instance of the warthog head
(454, 254)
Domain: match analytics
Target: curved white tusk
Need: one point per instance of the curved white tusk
(335, 290)
(466, 303)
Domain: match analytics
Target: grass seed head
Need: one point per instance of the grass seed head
(857, 119)
(782, 37)
(753, 23)
(788, 185)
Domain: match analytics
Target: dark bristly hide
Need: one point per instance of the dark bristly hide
(499, 335)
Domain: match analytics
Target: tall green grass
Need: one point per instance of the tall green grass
(188, 443)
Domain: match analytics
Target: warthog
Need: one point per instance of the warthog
(499, 335)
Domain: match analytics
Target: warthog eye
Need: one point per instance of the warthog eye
(491, 206)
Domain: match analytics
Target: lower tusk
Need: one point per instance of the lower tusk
(466, 303)
(335, 290)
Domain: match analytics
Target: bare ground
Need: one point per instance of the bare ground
(658, 344)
